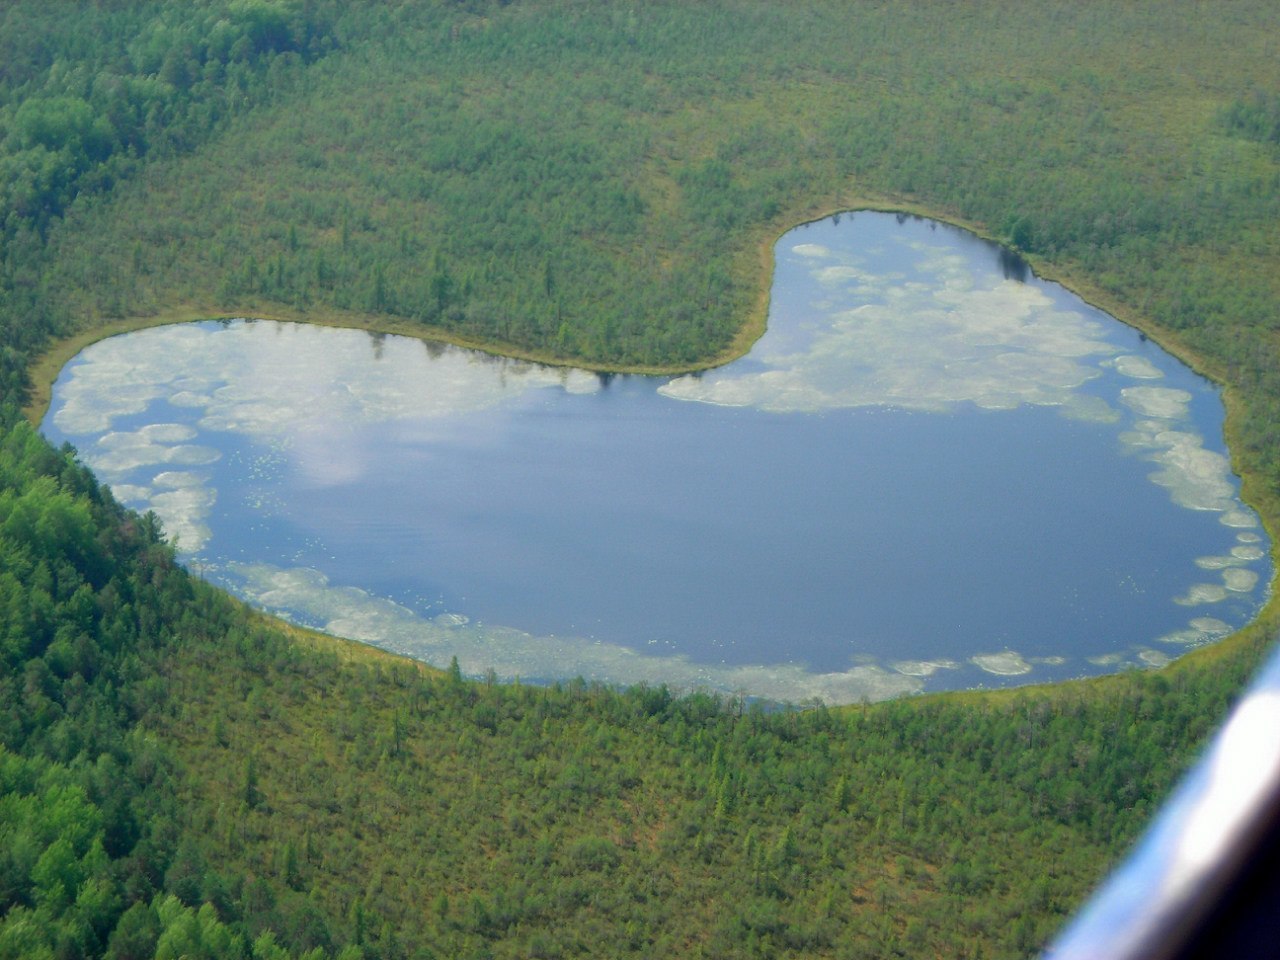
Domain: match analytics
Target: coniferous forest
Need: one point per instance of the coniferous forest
(597, 184)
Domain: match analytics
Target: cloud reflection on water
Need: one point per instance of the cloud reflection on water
(928, 339)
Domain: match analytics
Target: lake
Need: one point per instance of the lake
(933, 471)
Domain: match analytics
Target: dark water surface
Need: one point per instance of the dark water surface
(933, 471)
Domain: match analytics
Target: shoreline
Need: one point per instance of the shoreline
(46, 368)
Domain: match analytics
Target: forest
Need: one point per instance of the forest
(597, 184)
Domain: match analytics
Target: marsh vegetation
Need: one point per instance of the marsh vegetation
(598, 184)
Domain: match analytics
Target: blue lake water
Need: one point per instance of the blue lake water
(933, 471)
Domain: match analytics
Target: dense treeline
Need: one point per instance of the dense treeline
(591, 182)
(86, 98)
(92, 609)
(89, 595)
(428, 816)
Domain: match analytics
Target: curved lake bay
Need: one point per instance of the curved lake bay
(933, 471)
